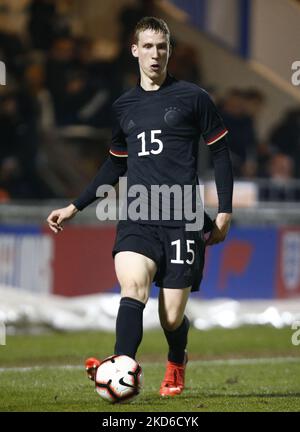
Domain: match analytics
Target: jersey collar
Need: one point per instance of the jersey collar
(167, 82)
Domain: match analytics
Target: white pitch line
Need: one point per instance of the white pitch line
(215, 362)
(248, 361)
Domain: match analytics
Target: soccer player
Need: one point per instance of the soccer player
(155, 139)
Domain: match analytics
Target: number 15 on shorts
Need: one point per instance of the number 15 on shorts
(178, 260)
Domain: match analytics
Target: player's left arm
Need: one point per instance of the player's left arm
(224, 184)
(214, 133)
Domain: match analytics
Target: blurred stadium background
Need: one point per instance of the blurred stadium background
(66, 61)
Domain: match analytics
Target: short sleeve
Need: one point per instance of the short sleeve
(208, 119)
(118, 143)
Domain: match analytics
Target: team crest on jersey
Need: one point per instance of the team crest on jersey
(172, 116)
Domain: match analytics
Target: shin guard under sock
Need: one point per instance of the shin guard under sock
(129, 326)
(177, 341)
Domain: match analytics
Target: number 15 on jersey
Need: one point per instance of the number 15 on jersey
(154, 141)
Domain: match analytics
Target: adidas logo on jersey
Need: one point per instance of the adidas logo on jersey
(130, 125)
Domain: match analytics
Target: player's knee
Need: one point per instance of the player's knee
(135, 290)
(170, 322)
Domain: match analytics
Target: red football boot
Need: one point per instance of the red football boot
(91, 366)
(173, 382)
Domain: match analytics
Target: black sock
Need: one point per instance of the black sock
(129, 326)
(177, 341)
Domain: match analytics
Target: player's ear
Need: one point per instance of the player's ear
(134, 50)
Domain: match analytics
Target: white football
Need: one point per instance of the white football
(119, 378)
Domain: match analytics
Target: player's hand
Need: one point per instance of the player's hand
(220, 229)
(57, 217)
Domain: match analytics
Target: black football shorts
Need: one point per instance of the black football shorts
(178, 254)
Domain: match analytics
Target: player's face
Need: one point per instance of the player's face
(152, 51)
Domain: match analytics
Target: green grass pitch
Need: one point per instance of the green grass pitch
(245, 369)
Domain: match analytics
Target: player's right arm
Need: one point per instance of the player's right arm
(114, 167)
(109, 173)
(57, 217)
(111, 170)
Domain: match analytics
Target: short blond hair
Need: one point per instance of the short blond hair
(151, 23)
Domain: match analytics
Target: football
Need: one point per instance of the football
(119, 378)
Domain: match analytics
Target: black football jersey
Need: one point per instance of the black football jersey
(159, 132)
